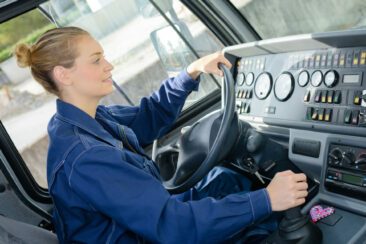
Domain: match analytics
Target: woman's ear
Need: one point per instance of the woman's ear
(61, 75)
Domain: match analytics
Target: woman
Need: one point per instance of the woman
(103, 188)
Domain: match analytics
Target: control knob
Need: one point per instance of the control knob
(360, 162)
(335, 156)
(348, 159)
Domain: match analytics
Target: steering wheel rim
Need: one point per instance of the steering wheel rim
(228, 113)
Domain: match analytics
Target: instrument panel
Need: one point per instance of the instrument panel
(319, 87)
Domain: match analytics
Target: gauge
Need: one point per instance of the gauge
(303, 78)
(263, 85)
(240, 78)
(284, 86)
(316, 78)
(250, 79)
(331, 78)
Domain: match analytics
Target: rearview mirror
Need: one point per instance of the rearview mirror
(172, 50)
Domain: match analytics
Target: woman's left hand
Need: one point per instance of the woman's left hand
(208, 64)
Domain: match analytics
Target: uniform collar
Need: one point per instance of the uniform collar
(77, 117)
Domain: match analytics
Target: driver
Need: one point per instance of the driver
(104, 188)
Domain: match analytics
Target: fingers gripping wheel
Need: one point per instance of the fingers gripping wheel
(206, 142)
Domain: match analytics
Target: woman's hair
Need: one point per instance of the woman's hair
(54, 47)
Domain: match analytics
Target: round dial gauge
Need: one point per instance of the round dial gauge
(331, 78)
(250, 79)
(284, 86)
(263, 85)
(316, 78)
(303, 78)
(240, 78)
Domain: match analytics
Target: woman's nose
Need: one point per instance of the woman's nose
(109, 66)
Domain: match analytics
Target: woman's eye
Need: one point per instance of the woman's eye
(97, 61)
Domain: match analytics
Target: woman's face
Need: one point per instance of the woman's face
(91, 74)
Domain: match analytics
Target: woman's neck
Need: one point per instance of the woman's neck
(88, 105)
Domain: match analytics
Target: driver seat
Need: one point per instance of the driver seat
(16, 232)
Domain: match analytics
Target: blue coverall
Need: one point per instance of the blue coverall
(104, 192)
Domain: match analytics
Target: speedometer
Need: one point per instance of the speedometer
(263, 85)
(284, 86)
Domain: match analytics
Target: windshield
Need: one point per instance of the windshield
(278, 18)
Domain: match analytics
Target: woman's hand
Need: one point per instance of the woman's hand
(208, 64)
(287, 190)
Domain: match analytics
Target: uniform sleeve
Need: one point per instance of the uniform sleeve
(154, 116)
(137, 201)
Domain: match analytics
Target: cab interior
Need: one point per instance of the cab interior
(294, 99)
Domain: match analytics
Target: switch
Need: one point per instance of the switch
(321, 114)
(330, 96)
(247, 109)
(347, 116)
(242, 107)
(355, 117)
(324, 96)
(362, 119)
(249, 94)
(314, 115)
(357, 97)
(309, 113)
(317, 96)
(307, 96)
(328, 115)
(337, 97)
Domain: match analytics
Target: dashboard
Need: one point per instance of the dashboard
(312, 90)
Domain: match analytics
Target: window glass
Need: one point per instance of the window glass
(25, 107)
(139, 42)
(275, 18)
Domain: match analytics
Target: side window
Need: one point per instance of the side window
(140, 43)
(25, 107)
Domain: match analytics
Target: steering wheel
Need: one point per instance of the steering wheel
(206, 142)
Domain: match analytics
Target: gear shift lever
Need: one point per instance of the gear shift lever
(295, 228)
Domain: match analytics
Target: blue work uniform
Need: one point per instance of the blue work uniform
(105, 190)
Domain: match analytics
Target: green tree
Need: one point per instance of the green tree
(20, 27)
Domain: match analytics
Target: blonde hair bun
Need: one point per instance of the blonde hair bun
(23, 54)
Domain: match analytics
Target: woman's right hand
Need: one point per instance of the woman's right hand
(287, 190)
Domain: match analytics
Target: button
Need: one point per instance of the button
(314, 115)
(355, 117)
(347, 116)
(247, 109)
(337, 97)
(309, 113)
(324, 96)
(330, 96)
(356, 56)
(244, 93)
(307, 96)
(342, 58)
(317, 96)
(335, 59)
(321, 114)
(238, 94)
(357, 97)
(349, 59)
(270, 110)
(328, 115)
